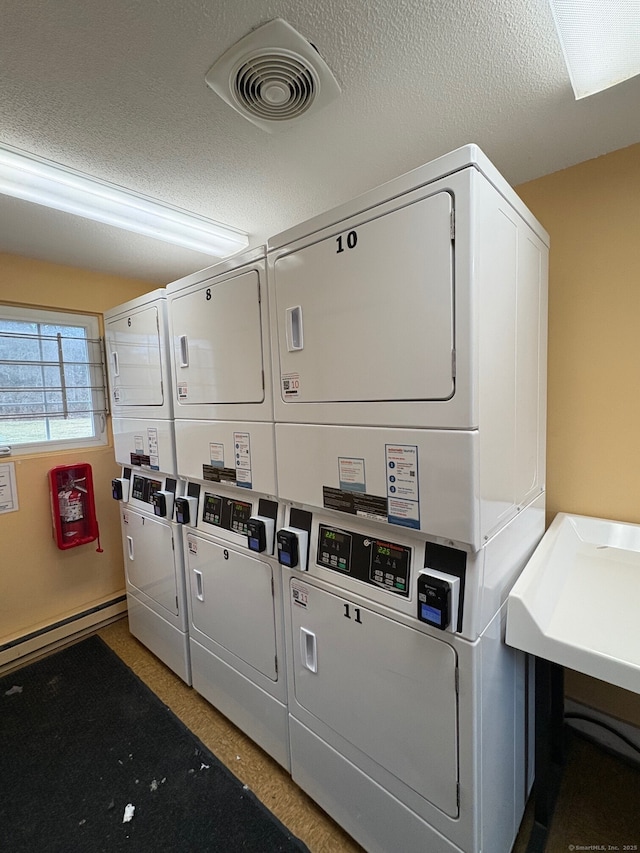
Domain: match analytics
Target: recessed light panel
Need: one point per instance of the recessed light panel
(600, 40)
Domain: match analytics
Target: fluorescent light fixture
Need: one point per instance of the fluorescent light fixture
(39, 181)
(600, 40)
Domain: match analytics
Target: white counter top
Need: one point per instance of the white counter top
(577, 601)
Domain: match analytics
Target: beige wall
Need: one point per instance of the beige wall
(592, 212)
(39, 584)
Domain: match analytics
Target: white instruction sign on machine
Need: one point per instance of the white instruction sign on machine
(216, 454)
(351, 474)
(154, 458)
(242, 452)
(8, 488)
(402, 484)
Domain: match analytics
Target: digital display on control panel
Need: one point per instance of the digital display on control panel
(374, 561)
(137, 490)
(226, 513)
(240, 515)
(390, 565)
(334, 549)
(212, 509)
(143, 489)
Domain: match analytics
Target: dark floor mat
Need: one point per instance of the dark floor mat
(82, 738)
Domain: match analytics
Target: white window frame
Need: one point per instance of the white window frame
(99, 395)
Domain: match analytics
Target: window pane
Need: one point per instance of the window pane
(17, 432)
(38, 401)
(75, 426)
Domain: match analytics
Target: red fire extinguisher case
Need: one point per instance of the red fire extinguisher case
(73, 507)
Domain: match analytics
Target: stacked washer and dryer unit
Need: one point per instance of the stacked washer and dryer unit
(409, 339)
(360, 500)
(138, 359)
(225, 440)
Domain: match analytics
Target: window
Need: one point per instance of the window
(52, 386)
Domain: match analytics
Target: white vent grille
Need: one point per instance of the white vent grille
(275, 86)
(273, 76)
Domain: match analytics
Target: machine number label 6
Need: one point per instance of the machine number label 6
(351, 242)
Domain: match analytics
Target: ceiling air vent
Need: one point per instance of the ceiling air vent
(273, 76)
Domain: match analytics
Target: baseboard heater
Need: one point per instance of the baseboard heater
(23, 649)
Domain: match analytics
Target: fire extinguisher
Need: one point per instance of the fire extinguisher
(73, 506)
(72, 510)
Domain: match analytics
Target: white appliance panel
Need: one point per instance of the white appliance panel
(232, 602)
(166, 640)
(387, 689)
(217, 341)
(150, 561)
(377, 820)
(147, 443)
(238, 453)
(435, 489)
(134, 356)
(453, 162)
(340, 305)
(376, 806)
(499, 257)
(530, 404)
(260, 714)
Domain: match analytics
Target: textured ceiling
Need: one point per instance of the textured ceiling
(117, 90)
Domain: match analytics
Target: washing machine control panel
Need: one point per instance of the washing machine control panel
(144, 488)
(375, 561)
(229, 513)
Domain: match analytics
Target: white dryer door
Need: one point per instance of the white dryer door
(149, 559)
(217, 340)
(232, 602)
(134, 359)
(387, 689)
(367, 314)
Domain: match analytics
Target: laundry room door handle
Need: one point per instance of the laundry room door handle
(199, 585)
(295, 335)
(184, 351)
(116, 364)
(309, 649)
(130, 546)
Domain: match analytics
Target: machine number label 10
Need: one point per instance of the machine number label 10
(351, 241)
